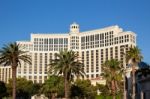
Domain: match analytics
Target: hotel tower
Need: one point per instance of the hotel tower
(93, 46)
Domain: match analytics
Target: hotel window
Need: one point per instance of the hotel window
(127, 47)
(102, 56)
(92, 61)
(83, 58)
(45, 69)
(50, 41)
(106, 53)
(116, 40)
(101, 40)
(6, 74)
(87, 42)
(35, 63)
(97, 40)
(50, 57)
(30, 77)
(119, 39)
(92, 76)
(46, 41)
(35, 77)
(55, 40)
(111, 52)
(60, 47)
(65, 40)
(91, 41)
(127, 38)
(40, 63)
(97, 75)
(97, 60)
(30, 69)
(35, 44)
(45, 44)
(25, 67)
(116, 52)
(45, 78)
(40, 77)
(121, 53)
(87, 76)
(40, 81)
(87, 61)
(61, 41)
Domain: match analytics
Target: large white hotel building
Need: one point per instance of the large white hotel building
(94, 47)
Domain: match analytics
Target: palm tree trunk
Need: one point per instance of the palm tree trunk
(124, 87)
(14, 69)
(66, 88)
(133, 82)
(113, 88)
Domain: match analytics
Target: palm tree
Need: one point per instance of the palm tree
(134, 56)
(12, 54)
(113, 74)
(67, 63)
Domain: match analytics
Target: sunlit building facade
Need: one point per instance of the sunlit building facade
(94, 47)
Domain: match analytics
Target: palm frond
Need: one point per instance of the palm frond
(67, 63)
(11, 53)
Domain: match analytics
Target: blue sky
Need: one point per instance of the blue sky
(18, 18)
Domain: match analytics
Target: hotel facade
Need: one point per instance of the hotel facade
(94, 47)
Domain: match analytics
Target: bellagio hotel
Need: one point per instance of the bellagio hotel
(93, 46)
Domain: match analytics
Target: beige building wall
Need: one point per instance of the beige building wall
(5, 73)
(94, 47)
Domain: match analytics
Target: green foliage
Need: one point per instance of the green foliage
(35, 88)
(112, 72)
(53, 86)
(68, 64)
(3, 89)
(83, 89)
(24, 88)
(12, 54)
(134, 55)
(104, 90)
(119, 96)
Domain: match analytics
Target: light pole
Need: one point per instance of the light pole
(124, 73)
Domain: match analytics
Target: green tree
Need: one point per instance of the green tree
(83, 89)
(104, 90)
(53, 87)
(134, 56)
(113, 74)
(24, 89)
(12, 54)
(3, 90)
(36, 87)
(68, 64)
